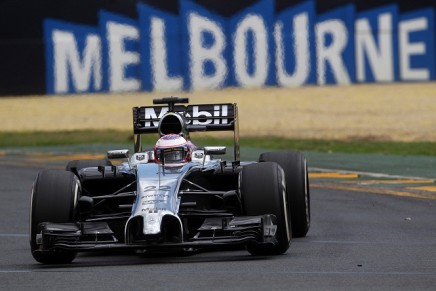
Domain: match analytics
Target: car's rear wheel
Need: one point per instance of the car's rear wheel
(77, 165)
(297, 187)
(262, 188)
(54, 199)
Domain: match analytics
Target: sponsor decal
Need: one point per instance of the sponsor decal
(153, 195)
(195, 114)
(198, 49)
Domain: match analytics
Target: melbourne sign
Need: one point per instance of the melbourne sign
(198, 49)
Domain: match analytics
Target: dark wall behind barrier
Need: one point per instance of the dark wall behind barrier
(22, 48)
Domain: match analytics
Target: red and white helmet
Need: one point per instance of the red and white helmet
(173, 149)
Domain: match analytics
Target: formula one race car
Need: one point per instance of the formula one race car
(172, 197)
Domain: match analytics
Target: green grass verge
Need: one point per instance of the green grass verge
(41, 139)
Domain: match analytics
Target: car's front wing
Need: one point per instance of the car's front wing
(214, 232)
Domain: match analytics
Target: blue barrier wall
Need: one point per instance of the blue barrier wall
(195, 45)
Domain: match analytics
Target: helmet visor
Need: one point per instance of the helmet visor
(172, 155)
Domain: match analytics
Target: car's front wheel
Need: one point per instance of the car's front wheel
(263, 191)
(297, 187)
(55, 195)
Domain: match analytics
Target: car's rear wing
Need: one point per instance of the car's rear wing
(181, 119)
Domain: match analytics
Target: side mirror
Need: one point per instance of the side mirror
(217, 150)
(118, 154)
(141, 158)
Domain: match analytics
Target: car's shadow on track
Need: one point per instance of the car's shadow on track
(102, 259)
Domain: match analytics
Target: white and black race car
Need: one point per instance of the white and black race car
(171, 197)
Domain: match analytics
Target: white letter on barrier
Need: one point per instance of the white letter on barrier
(380, 60)
(200, 54)
(408, 49)
(119, 58)
(256, 25)
(67, 59)
(158, 52)
(332, 53)
(301, 50)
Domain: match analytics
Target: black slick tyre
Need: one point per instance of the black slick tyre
(297, 187)
(263, 192)
(54, 199)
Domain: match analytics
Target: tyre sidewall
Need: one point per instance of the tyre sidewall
(54, 198)
(263, 191)
(297, 185)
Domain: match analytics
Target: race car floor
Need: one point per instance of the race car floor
(408, 176)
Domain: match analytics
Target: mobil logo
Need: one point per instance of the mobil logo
(194, 114)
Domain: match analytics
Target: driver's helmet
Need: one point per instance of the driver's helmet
(173, 148)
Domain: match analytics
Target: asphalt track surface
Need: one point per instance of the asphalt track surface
(359, 240)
